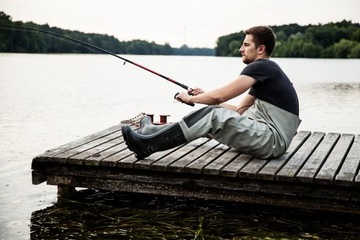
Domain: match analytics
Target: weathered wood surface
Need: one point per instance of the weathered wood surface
(317, 167)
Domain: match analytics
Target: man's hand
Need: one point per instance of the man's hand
(184, 97)
(195, 91)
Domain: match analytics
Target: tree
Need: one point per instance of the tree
(312, 41)
(355, 51)
(234, 47)
(343, 48)
(223, 47)
(340, 39)
(33, 42)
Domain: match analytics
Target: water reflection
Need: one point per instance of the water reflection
(106, 215)
(330, 107)
(330, 94)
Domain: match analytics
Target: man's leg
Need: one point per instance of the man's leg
(230, 128)
(224, 125)
(145, 145)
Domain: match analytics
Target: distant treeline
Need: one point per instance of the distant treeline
(332, 40)
(33, 42)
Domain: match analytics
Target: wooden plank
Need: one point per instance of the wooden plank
(61, 157)
(132, 162)
(146, 163)
(293, 165)
(91, 153)
(38, 177)
(357, 180)
(269, 171)
(85, 147)
(252, 168)
(76, 143)
(332, 164)
(279, 193)
(199, 190)
(233, 168)
(127, 162)
(215, 167)
(316, 160)
(180, 164)
(199, 164)
(112, 160)
(106, 153)
(350, 168)
(163, 164)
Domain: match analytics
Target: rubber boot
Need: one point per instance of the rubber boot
(147, 128)
(145, 145)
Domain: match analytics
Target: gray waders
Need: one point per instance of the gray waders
(264, 131)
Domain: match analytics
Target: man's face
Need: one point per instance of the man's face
(248, 50)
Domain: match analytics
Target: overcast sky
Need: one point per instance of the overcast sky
(197, 23)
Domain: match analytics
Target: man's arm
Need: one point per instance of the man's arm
(245, 103)
(235, 88)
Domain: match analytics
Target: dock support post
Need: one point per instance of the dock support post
(65, 191)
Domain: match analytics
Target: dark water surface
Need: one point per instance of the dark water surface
(98, 214)
(49, 100)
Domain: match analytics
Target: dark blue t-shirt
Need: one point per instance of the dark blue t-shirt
(272, 85)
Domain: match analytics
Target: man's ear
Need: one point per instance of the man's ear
(262, 50)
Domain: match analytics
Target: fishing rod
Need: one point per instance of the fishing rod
(92, 48)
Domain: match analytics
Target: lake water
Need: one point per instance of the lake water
(49, 100)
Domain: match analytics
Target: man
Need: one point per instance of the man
(262, 124)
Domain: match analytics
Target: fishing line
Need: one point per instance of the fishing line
(89, 47)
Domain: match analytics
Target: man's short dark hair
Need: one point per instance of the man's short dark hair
(263, 35)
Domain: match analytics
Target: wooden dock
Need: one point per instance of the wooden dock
(318, 171)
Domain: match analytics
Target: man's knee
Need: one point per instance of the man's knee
(197, 115)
